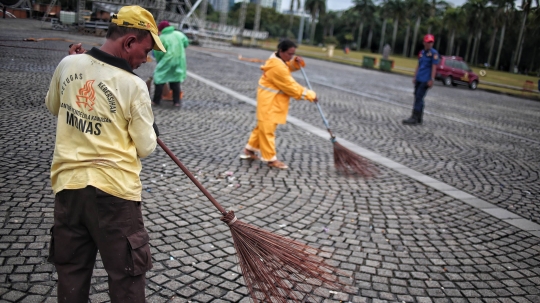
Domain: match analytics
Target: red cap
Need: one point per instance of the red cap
(162, 25)
(429, 38)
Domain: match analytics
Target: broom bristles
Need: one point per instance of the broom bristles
(276, 268)
(350, 163)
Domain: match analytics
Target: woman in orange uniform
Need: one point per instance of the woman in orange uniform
(276, 87)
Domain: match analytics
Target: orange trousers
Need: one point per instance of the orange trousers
(263, 139)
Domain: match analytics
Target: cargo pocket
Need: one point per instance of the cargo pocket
(50, 259)
(139, 259)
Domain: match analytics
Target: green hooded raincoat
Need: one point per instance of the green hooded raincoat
(171, 66)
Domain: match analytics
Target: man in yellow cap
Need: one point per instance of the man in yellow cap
(105, 126)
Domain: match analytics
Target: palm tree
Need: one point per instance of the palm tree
(473, 9)
(330, 19)
(291, 12)
(385, 12)
(436, 22)
(409, 6)
(419, 9)
(370, 35)
(483, 21)
(316, 8)
(365, 8)
(506, 9)
(534, 23)
(398, 13)
(432, 9)
(492, 14)
(526, 7)
(351, 18)
(454, 19)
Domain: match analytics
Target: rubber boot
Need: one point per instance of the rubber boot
(420, 116)
(413, 120)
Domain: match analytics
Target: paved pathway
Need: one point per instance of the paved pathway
(401, 239)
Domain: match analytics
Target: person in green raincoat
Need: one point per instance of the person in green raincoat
(171, 66)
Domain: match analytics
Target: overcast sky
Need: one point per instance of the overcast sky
(336, 5)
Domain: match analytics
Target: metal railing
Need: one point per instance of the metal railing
(148, 4)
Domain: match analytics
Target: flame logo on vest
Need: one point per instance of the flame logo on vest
(86, 96)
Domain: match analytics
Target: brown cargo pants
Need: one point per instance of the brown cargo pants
(87, 220)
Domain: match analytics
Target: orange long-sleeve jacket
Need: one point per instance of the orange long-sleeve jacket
(276, 87)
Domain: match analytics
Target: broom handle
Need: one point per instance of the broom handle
(191, 176)
(318, 106)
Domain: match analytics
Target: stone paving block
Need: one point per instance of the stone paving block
(186, 292)
(12, 296)
(33, 299)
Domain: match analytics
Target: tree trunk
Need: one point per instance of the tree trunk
(332, 30)
(520, 41)
(369, 37)
(520, 50)
(458, 49)
(501, 40)
(450, 45)
(474, 44)
(360, 30)
(394, 35)
(468, 46)
(406, 39)
(531, 68)
(382, 36)
(478, 47)
(474, 47)
(474, 58)
(492, 45)
(413, 45)
(312, 29)
(439, 40)
(308, 30)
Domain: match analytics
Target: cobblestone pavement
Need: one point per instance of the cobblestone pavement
(400, 240)
(492, 152)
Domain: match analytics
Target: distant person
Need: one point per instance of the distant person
(171, 66)
(386, 51)
(424, 75)
(276, 87)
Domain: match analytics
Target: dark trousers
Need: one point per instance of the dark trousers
(158, 91)
(87, 220)
(420, 90)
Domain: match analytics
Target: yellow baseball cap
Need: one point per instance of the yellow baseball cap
(135, 16)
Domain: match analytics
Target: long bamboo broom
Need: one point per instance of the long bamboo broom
(345, 160)
(275, 268)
